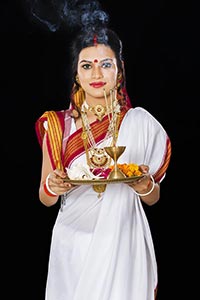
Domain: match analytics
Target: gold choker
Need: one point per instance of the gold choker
(98, 110)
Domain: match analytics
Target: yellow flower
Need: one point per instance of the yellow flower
(129, 169)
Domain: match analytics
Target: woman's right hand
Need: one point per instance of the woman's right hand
(57, 184)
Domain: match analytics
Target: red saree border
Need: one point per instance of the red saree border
(162, 170)
(54, 135)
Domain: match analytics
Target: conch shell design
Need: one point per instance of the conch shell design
(81, 172)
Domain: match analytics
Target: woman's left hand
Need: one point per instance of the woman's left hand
(143, 184)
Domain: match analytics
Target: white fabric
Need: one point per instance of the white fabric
(102, 248)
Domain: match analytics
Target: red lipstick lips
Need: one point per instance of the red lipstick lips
(97, 84)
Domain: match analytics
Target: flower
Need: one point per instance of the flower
(128, 169)
(101, 172)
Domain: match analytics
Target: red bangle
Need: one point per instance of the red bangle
(47, 192)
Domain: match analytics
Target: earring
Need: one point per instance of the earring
(79, 97)
(119, 79)
(77, 79)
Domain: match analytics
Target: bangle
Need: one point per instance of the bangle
(47, 189)
(149, 192)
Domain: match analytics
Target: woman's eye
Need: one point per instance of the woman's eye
(106, 65)
(86, 66)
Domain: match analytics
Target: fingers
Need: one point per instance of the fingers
(60, 173)
(141, 183)
(57, 183)
(144, 169)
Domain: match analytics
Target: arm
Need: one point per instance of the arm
(55, 181)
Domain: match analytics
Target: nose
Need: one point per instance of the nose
(96, 72)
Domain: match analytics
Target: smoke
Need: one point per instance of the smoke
(71, 14)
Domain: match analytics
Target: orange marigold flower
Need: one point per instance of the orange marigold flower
(128, 169)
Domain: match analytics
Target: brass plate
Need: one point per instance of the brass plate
(103, 181)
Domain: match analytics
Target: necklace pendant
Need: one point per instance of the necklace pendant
(100, 188)
(98, 158)
(99, 111)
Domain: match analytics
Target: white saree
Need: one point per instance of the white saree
(102, 248)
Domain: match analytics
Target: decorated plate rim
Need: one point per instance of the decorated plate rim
(103, 181)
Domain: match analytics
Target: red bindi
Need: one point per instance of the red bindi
(95, 60)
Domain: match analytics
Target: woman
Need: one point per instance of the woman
(101, 243)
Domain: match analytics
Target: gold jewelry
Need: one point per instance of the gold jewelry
(119, 79)
(77, 79)
(98, 110)
(79, 96)
(97, 156)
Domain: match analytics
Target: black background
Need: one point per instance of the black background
(161, 54)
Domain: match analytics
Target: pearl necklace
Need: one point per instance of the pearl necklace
(97, 156)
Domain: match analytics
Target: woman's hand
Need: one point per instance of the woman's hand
(57, 184)
(54, 186)
(142, 185)
(145, 187)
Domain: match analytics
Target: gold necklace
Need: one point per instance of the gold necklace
(97, 156)
(98, 110)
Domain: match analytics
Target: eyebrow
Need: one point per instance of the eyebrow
(103, 60)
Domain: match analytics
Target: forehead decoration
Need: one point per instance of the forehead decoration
(95, 40)
(95, 60)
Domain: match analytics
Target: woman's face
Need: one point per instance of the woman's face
(97, 71)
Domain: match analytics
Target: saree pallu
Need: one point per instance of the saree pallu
(102, 247)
